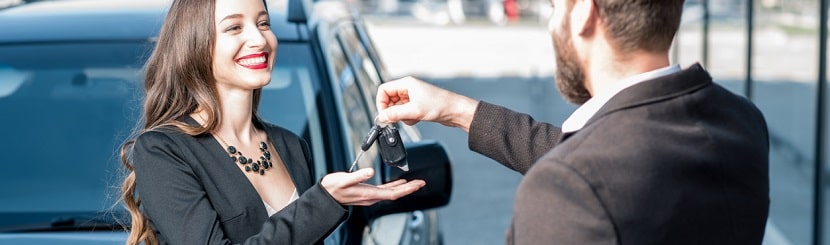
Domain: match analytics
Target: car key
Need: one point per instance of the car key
(392, 150)
(370, 139)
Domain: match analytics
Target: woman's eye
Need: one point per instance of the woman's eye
(264, 24)
(233, 28)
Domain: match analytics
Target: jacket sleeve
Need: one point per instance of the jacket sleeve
(513, 139)
(173, 198)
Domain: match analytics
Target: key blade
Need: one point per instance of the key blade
(351, 168)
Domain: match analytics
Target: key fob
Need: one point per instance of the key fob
(371, 137)
(392, 151)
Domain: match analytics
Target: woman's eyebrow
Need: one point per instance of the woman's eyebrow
(233, 16)
(236, 16)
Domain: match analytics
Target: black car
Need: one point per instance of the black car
(70, 87)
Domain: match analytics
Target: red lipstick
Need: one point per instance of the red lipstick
(254, 61)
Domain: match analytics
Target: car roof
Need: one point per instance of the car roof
(103, 20)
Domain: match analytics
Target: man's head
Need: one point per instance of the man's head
(628, 27)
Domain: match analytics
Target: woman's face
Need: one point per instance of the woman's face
(243, 56)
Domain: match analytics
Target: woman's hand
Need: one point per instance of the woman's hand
(349, 189)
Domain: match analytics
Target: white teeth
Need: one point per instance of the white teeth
(252, 61)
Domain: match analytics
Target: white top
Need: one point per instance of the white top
(272, 211)
(581, 115)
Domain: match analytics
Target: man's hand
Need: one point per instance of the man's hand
(348, 189)
(411, 100)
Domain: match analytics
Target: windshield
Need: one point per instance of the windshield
(65, 110)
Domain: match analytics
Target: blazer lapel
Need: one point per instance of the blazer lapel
(292, 158)
(237, 182)
(565, 136)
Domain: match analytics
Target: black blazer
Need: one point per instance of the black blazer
(193, 193)
(673, 160)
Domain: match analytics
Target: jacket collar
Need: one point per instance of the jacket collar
(580, 116)
(654, 90)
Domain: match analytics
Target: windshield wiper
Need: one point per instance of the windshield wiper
(69, 223)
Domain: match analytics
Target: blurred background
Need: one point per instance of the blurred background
(501, 52)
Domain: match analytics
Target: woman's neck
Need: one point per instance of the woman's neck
(235, 122)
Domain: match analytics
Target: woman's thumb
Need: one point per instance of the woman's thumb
(360, 176)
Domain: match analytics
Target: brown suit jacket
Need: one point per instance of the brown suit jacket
(673, 160)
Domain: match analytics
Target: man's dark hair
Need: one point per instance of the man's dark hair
(641, 25)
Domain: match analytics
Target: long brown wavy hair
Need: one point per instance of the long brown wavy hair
(178, 81)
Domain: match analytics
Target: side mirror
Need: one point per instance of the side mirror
(428, 161)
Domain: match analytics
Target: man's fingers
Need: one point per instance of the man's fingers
(409, 113)
(410, 122)
(391, 93)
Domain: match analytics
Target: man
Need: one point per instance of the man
(654, 154)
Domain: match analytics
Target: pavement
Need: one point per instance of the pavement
(512, 65)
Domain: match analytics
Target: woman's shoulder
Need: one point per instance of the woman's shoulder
(164, 135)
(157, 149)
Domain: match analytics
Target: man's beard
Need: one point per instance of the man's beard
(569, 77)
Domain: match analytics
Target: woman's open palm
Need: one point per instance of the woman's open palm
(349, 189)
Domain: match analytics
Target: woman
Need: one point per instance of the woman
(205, 169)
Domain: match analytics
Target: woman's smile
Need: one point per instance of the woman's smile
(254, 61)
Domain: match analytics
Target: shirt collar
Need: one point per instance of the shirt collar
(581, 115)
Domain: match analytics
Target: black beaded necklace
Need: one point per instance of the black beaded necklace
(258, 166)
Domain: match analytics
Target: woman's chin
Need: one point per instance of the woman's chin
(258, 82)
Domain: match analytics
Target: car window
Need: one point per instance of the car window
(359, 60)
(360, 117)
(350, 95)
(65, 115)
(365, 69)
(367, 73)
(386, 229)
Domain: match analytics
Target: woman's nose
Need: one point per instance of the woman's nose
(254, 37)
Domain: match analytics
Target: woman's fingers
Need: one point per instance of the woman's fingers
(392, 184)
(334, 182)
(365, 195)
(404, 189)
(358, 176)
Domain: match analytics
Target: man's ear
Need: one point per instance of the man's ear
(584, 17)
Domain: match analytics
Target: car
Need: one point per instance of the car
(70, 94)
